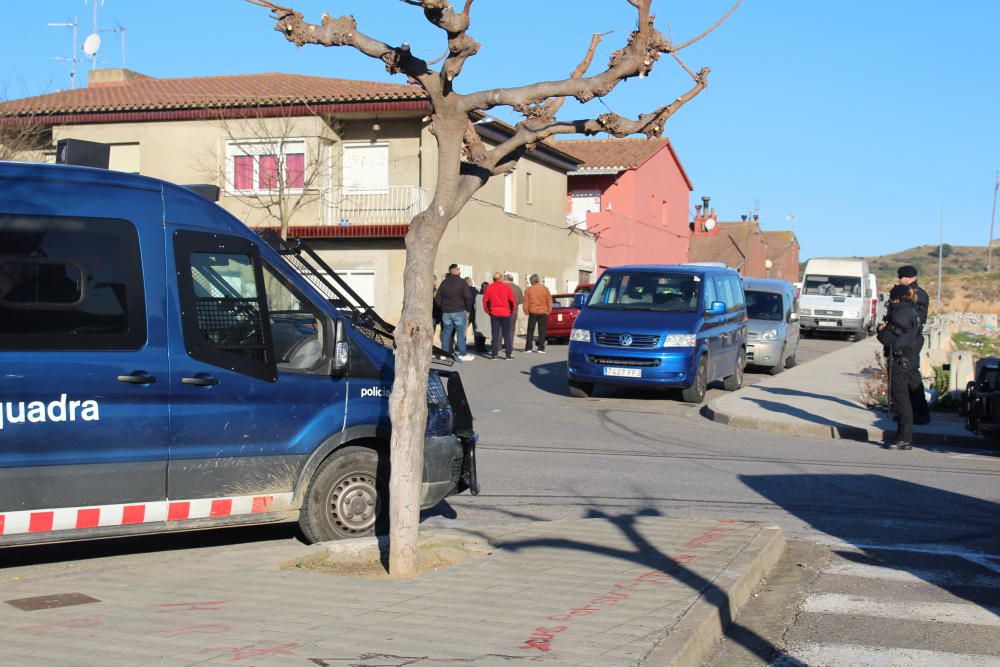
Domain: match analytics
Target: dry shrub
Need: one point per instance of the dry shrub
(873, 387)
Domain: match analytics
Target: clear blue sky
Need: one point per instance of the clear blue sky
(860, 117)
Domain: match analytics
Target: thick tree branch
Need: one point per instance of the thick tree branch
(343, 31)
(460, 45)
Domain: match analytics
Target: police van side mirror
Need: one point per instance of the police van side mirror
(341, 348)
(717, 308)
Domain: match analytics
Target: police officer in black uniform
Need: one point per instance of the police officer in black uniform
(908, 276)
(898, 334)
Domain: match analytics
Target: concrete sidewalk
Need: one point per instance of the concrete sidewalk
(605, 591)
(820, 399)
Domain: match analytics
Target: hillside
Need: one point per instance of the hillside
(966, 287)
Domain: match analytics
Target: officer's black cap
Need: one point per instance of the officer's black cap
(899, 292)
(907, 272)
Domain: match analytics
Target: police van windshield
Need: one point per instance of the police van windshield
(646, 290)
(833, 285)
(764, 306)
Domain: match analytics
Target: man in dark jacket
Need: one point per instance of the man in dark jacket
(908, 276)
(898, 334)
(455, 302)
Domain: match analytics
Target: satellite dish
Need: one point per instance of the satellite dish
(91, 45)
(710, 224)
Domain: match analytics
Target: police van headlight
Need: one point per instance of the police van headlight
(770, 334)
(580, 335)
(680, 340)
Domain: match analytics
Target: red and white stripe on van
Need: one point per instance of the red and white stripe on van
(76, 518)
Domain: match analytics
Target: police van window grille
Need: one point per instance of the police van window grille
(232, 325)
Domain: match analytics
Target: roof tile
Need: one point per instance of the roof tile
(612, 153)
(145, 93)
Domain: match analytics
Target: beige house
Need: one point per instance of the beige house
(343, 163)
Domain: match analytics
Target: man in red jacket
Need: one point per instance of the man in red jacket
(499, 303)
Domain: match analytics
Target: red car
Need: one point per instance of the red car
(565, 308)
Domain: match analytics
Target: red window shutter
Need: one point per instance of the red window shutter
(295, 170)
(243, 172)
(268, 178)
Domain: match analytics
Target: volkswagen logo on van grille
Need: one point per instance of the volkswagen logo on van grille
(625, 340)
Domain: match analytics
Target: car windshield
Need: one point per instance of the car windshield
(764, 306)
(833, 285)
(647, 290)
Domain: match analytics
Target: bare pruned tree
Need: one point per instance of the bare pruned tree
(273, 161)
(22, 138)
(465, 164)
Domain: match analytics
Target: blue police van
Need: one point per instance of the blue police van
(164, 368)
(661, 327)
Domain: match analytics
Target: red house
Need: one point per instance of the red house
(633, 194)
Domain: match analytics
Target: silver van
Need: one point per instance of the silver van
(773, 335)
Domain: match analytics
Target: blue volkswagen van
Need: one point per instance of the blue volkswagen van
(164, 368)
(661, 326)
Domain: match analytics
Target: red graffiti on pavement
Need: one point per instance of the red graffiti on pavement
(247, 652)
(541, 638)
(201, 605)
(208, 629)
(40, 630)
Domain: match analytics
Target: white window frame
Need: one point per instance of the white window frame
(528, 187)
(257, 147)
(355, 189)
(510, 192)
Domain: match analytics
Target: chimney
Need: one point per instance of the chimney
(119, 76)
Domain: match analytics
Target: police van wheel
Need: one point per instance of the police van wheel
(348, 496)
(735, 381)
(793, 360)
(780, 366)
(581, 389)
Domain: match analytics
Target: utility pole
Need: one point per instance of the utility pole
(993, 219)
(940, 258)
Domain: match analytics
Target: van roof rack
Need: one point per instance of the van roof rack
(335, 289)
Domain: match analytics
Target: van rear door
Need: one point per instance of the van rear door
(83, 392)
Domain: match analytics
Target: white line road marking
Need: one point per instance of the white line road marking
(989, 561)
(936, 612)
(937, 577)
(837, 655)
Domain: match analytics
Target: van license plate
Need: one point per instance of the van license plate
(624, 372)
(827, 323)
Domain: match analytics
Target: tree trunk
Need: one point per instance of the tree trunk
(408, 401)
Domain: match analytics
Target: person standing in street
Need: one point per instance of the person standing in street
(455, 302)
(499, 302)
(519, 298)
(537, 306)
(898, 335)
(922, 304)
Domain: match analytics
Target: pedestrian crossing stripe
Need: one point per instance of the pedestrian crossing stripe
(877, 656)
(908, 575)
(931, 612)
(101, 516)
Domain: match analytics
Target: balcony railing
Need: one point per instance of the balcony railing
(392, 205)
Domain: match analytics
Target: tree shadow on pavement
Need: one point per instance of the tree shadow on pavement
(784, 391)
(636, 549)
(956, 529)
(843, 431)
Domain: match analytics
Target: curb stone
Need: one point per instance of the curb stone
(699, 631)
(838, 432)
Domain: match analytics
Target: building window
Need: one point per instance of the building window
(584, 202)
(366, 168)
(509, 193)
(266, 167)
(528, 187)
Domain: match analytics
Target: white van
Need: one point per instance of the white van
(836, 296)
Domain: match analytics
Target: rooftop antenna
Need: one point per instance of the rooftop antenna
(72, 60)
(92, 44)
(120, 29)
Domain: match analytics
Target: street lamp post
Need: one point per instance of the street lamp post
(993, 219)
